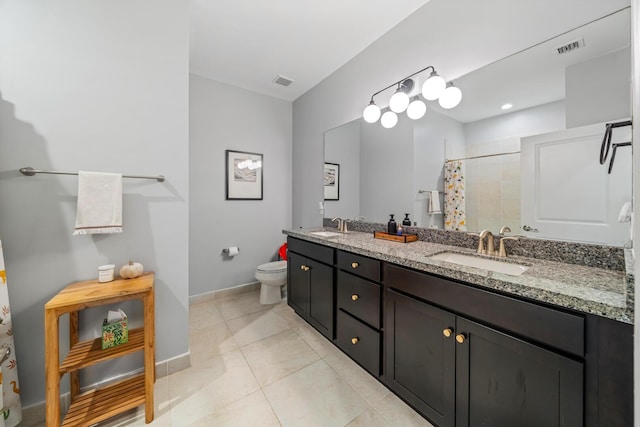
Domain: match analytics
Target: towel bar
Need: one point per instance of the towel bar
(29, 171)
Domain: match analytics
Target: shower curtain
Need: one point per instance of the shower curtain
(10, 397)
(454, 209)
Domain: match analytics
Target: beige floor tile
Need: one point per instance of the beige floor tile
(315, 339)
(314, 396)
(255, 327)
(253, 410)
(241, 305)
(399, 414)
(284, 311)
(365, 384)
(204, 315)
(208, 342)
(369, 418)
(276, 357)
(200, 390)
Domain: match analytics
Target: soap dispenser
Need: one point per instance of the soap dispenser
(392, 227)
(406, 220)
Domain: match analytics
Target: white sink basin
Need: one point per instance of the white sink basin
(325, 233)
(484, 263)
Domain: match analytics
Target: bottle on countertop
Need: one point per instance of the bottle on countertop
(392, 227)
(399, 233)
(406, 220)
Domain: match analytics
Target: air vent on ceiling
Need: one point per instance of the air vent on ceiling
(282, 80)
(569, 47)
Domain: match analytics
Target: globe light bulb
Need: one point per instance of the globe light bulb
(371, 113)
(399, 102)
(389, 119)
(416, 109)
(451, 97)
(433, 87)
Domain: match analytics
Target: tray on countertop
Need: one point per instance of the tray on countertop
(402, 238)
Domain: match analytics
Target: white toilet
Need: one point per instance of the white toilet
(272, 276)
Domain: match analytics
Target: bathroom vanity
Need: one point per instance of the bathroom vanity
(466, 346)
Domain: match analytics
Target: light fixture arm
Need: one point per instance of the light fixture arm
(401, 80)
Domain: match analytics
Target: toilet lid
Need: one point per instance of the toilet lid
(273, 267)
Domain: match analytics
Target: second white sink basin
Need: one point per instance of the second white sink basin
(484, 263)
(325, 233)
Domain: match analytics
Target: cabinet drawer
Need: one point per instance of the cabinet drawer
(360, 298)
(552, 327)
(321, 253)
(359, 341)
(359, 265)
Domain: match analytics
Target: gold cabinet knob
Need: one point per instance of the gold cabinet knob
(355, 297)
(447, 332)
(306, 268)
(355, 340)
(302, 267)
(460, 338)
(354, 265)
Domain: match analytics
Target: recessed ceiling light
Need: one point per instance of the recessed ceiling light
(506, 106)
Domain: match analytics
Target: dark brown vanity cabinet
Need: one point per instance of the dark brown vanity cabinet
(358, 319)
(458, 372)
(310, 284)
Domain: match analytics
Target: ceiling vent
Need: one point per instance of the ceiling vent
(569, 47)
(282, 80)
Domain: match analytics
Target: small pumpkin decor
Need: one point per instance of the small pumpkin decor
(131, 270)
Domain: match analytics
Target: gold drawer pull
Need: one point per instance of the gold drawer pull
(460, 338)
(355, 297)
(354, 265)
(304, 268)
(355, 340)
(447, 332)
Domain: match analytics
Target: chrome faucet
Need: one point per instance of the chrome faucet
(490, 249)
(504, 229)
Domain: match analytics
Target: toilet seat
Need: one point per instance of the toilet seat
(273, 267)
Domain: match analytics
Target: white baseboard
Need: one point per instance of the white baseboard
(223, 293)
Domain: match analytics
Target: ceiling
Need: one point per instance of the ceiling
(248, 43)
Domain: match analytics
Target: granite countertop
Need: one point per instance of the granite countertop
(607, 293)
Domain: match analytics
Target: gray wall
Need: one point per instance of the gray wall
(342, 146)
(599, 90)
(224, 117)
(93, 86)
(437, 34)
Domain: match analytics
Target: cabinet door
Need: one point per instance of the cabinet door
(321, 300)
(420, 359)
(502, 381)
(298, 284)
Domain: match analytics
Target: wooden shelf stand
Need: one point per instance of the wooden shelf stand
(98, 404)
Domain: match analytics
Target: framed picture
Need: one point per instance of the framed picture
(331, 181)
(243, 175)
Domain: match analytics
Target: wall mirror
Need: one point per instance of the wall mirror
(533, 167)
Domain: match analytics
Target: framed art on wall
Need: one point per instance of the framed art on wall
(243, 175)
(331, 181)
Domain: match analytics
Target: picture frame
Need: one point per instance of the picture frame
(243, 175)
(331, 181)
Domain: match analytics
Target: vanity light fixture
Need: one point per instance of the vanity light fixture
(435, 87)
(450, 97)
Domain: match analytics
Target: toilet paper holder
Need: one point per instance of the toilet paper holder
(226, 250)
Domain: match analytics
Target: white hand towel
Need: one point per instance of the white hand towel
(434, 203)
(99, 203)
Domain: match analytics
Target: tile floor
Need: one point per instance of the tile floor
(255, 365)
